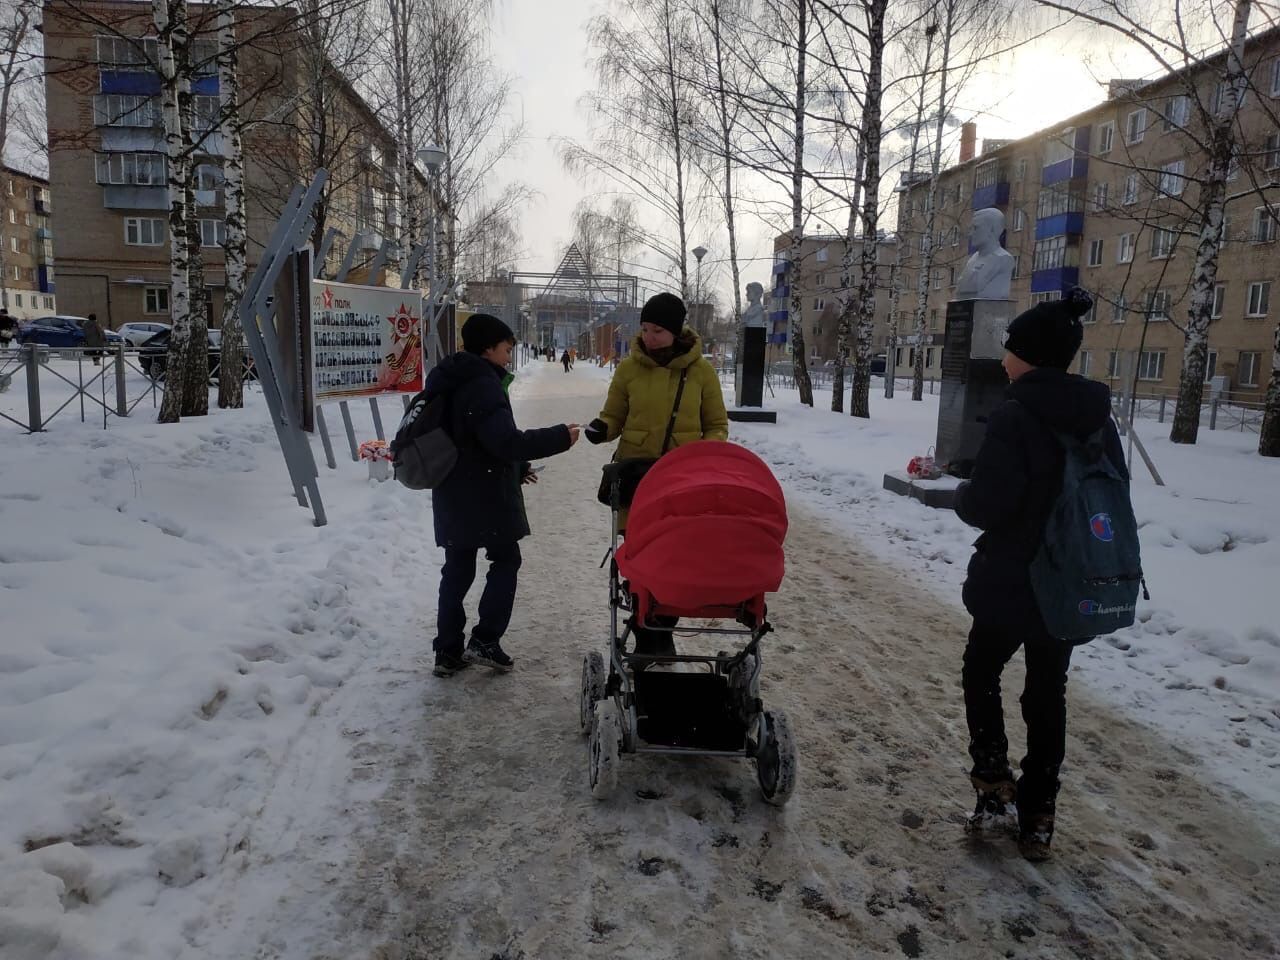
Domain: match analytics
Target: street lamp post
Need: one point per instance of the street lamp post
(431, 156)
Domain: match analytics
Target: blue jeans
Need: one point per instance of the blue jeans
(496, 602)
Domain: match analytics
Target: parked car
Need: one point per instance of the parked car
(153, 355)
(136, 334)
(55, 331)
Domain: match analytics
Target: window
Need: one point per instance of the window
(13, 216)
(205, 110)
(933, 319)
(1218, 99)
(143, 231)
(1176, 111)
(1162, 243)
(1084, 363)
(1158, 305)
(13, 244)
(1092, 315)
(48, 302)
(951, 280)
(1271, 158)
(823, 254)
(1021, 169)
(1117, 310)
(1250, 362)
(1259, 298)
(156, 300)
(1095, 253)
(138, 169)
(937, 279)
(1106, 137)
(1211, 366)
(955, 236)
(1060, 146)
(1050, 254)
(126, 110)
(1275, 77)
(26, 219)
(818, 302)
(1233, 167)
(1017, 265)
(1125, 253)
(1135, 126)
(17, 297)
(1037, 298)
(1219, 299)
(213, 233)
(1130, 189)
(907, 213)
(1151, 365)
(1019, 219)
(1113, 364)
(1264, 225)
(928, 355)
(1101, 196)
(1171, 180)
(1224, 232)
(1059, 199)
(124, 53)
(208, 177)
(11, 188)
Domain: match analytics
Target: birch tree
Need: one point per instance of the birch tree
(231, 379)
(799, 361)
(15, 31)
(170, 18)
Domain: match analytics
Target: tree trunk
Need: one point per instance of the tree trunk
(1269, 439)
(170, 18)
(726, 130)
(10, 72)
(847, 306)
(860, 402)
(926, 257)
(799, 361)
(231, 379)
(1186, 418)
(195, 368)
(677, 144)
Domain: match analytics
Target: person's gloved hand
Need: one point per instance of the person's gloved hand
(597, 431)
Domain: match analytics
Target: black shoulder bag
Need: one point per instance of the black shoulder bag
(626, 475)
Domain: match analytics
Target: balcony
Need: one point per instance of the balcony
(1057, 280)
(1073, 168)
(992, 195)
(42, 206)
(44, 277)
(369, 239)
(1056, 226)
(147, 84)
(44, 233)
(121, 197)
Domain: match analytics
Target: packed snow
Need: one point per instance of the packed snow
(219, 736)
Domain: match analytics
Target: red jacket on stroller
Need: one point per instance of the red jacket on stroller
(705, 533)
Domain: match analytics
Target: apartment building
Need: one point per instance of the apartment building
(107, 161)
(26, 245)
(821, 263)
(1105, 200)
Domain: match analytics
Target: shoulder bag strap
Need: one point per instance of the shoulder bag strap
(675, 409)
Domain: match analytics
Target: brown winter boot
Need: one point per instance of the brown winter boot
(1035, 833)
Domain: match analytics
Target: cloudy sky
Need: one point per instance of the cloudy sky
(544, 45)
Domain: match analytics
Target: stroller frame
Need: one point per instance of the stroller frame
(611, 701)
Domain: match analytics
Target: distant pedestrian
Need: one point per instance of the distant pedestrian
(94, 338)
(1017, 477)
(480, 504)
(566, 361)
(8, 327)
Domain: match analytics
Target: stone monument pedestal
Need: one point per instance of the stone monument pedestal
(749, 400)
(973, 381)
(940, 493)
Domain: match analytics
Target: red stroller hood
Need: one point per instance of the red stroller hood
(706, 528)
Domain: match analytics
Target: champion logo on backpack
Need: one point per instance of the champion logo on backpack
(1100, 524)
(1092, 608)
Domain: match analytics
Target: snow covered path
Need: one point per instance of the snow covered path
(426, 818)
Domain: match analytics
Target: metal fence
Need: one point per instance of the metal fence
(1216, 413)
(38, 384)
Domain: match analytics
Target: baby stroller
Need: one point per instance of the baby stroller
(703, 542)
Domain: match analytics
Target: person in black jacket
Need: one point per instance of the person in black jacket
(480, 504)
(1017, 476)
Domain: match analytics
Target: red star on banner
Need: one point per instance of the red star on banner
(328, 298)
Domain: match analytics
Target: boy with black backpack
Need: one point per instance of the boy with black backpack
(478, 504)
(1056, 564)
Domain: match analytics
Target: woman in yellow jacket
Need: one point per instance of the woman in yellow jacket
(642, 396)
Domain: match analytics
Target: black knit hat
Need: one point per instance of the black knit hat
(484, 330)
(1049, 334)
(665, 310)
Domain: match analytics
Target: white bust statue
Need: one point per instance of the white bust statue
(986, 276)
(753, 316)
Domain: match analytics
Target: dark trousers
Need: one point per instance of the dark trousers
(656, 642)
(496, 601)
(1044, 705)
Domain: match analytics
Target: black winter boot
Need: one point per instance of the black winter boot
(1037, 807)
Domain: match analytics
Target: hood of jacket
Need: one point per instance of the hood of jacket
(459, 368)
(688, 343)
(1063, 401)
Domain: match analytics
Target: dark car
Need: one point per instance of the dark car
(153, 356)
(54, 331)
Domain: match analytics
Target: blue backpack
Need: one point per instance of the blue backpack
(1088, 570)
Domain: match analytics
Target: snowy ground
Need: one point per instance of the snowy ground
(220, 738)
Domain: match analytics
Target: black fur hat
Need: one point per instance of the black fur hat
(1049, 334)
(484, 330)
(666, 310)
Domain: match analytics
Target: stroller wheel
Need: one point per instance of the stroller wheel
(604, 750)
(593, 681)
(776, 759)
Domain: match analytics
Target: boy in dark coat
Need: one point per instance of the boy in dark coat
(480, 504)
(1017, 476)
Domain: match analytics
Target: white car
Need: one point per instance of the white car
(135, 334)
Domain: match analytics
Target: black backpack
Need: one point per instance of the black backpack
(1088, 570)
(422, 453)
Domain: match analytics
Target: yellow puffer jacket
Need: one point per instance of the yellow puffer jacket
(642, 394)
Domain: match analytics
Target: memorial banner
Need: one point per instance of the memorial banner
(363, 341)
